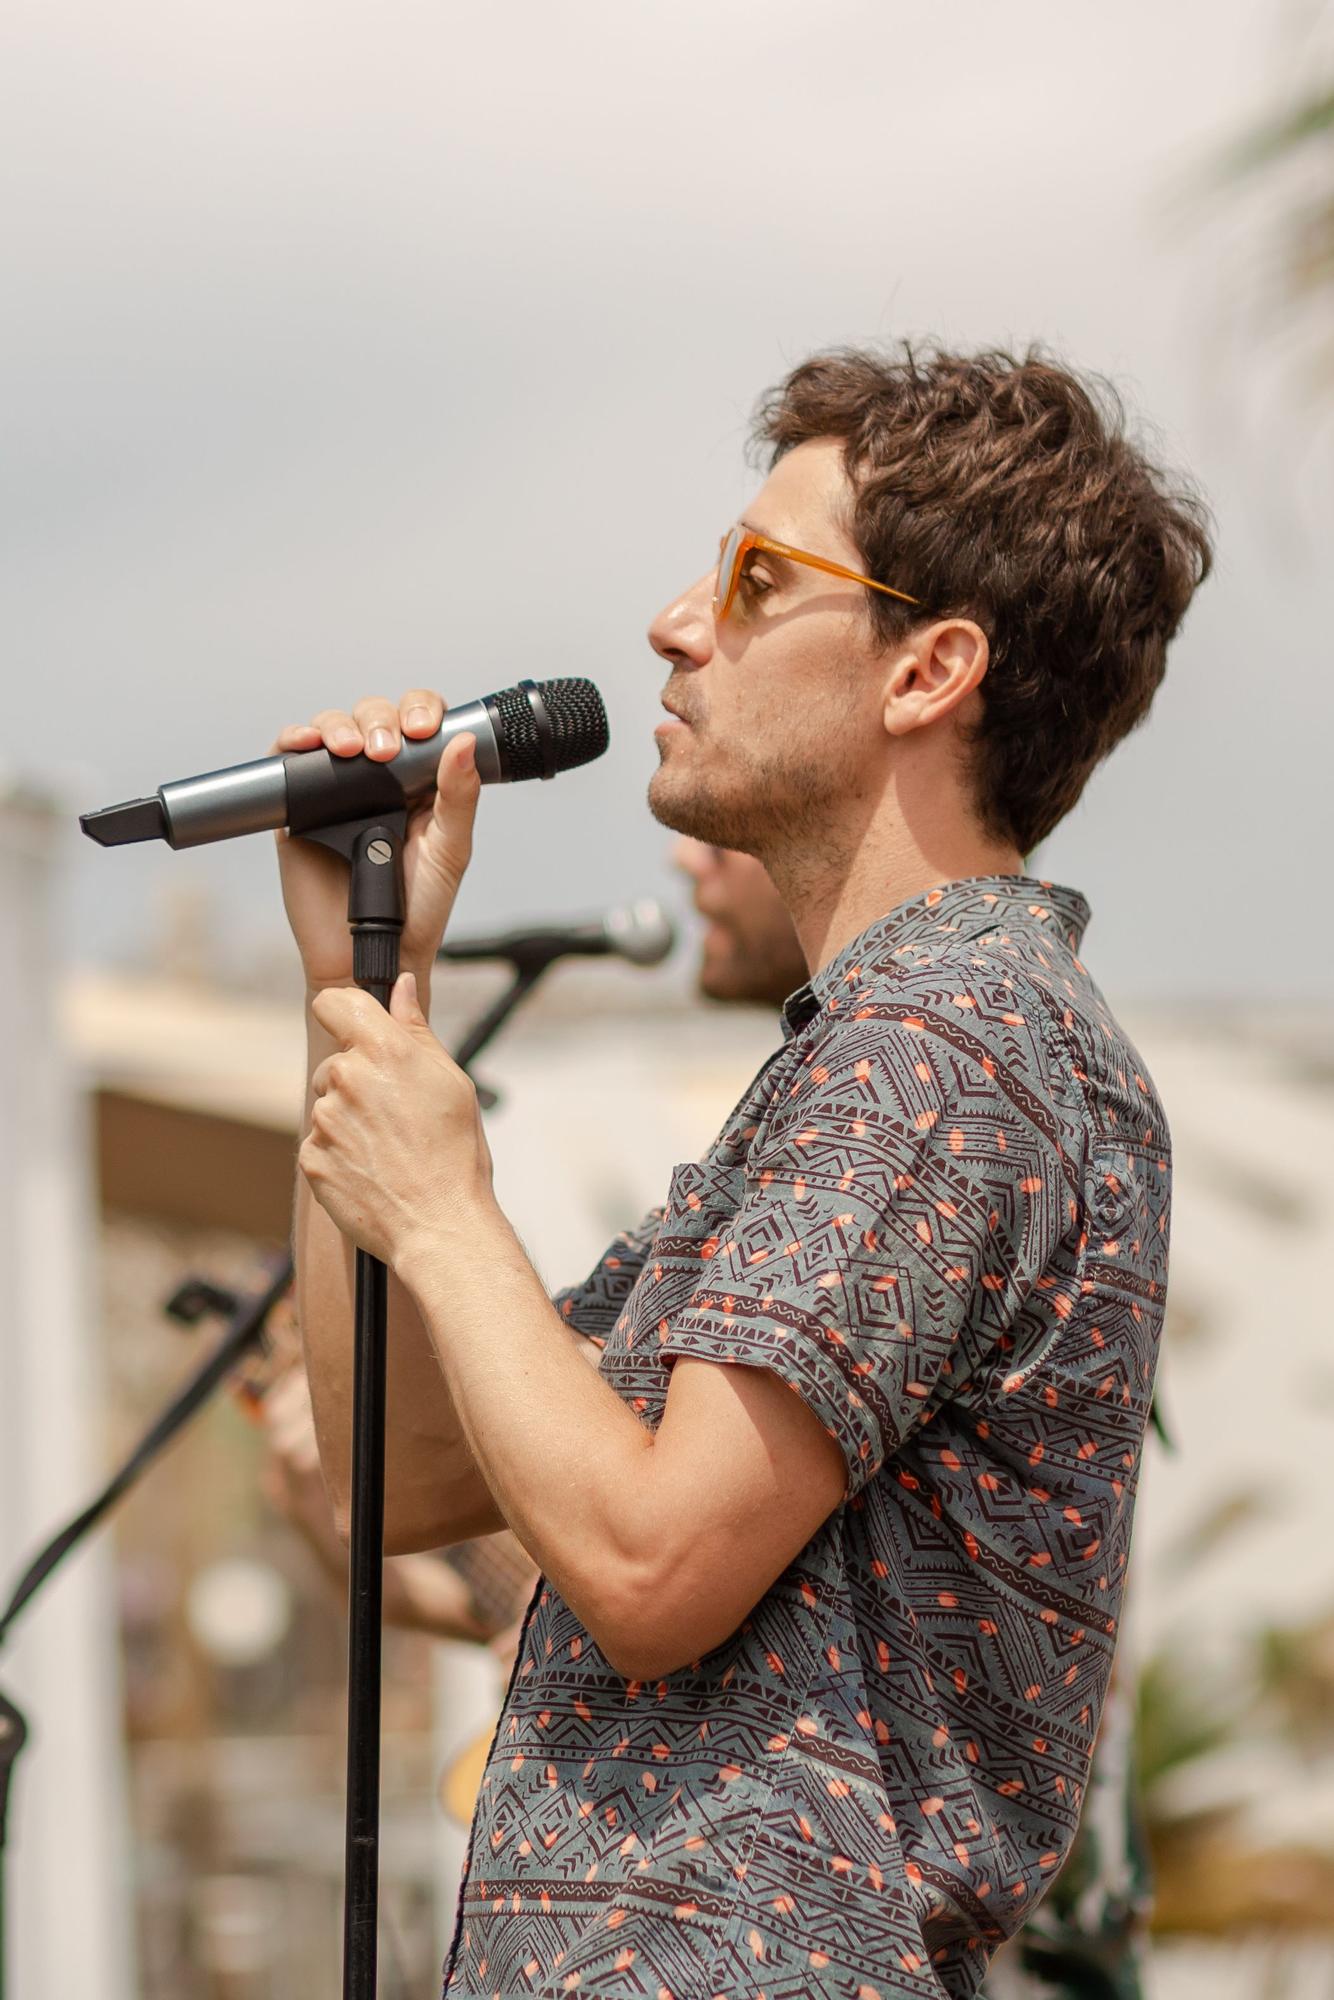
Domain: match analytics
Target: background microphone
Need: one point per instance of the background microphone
(532, 730)
(640, 932)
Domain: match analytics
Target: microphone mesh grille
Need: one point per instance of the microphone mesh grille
(578, 724)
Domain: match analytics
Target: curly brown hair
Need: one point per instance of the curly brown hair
(1006, 490)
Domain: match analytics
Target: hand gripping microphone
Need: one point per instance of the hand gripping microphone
(533, 730)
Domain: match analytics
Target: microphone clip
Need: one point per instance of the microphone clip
(376, 900)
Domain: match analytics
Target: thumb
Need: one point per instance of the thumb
(404, 1006)
(447, 844)
(457, 787)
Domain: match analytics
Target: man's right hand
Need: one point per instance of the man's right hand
(436, 851)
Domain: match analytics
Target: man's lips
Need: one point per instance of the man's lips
(677, 714)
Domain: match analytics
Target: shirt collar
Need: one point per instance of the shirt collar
(970, 908)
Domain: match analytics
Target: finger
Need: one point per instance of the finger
(457, 787)
(421, 711)
(405, 1006)
(329, 1075)
(339, 731)
(377, 720)
(296, 736)
(453, 810)
(351, 1016)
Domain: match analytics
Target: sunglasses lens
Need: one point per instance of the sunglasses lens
(731, 542)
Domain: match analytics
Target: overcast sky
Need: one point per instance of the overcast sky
(350, 347)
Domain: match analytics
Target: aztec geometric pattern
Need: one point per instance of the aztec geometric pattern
(940, 1214)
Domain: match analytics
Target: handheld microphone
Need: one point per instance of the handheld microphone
(532, 730)
(640, 932)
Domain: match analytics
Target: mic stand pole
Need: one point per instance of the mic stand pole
(375, 912)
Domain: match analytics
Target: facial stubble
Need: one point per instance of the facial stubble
(761, 803)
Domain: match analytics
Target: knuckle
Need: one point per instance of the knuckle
(376, 710)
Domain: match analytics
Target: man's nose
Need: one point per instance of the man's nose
(683, 629)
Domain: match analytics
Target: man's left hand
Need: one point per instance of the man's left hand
(396, 1149)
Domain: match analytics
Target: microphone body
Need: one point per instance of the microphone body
(640, 932)
(529, 731)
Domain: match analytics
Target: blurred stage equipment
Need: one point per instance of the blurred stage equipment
(640, 932)
(193, 1299)
(358, 808)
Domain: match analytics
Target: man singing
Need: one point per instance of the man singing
(833, 1541)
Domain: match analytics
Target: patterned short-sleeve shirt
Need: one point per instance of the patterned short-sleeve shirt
(940, 1214)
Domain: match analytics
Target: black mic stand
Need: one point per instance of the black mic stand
(247, 1316)
(375, 913)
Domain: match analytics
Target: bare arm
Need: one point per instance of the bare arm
(661, 1541)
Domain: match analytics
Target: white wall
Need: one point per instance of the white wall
(68, 1889)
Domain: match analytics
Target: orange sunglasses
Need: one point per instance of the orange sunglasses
(737, 544)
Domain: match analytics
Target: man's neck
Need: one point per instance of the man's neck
(832, 899)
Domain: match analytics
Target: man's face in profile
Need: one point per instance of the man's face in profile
(749, 949)
(773, 735)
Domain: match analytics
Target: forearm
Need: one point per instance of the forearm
(570, 1465)
(434, 1492)
(419, 1593)
(422, 1594)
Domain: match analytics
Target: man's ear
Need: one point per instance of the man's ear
(932, 671)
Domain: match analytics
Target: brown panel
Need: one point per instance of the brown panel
(169, 1160)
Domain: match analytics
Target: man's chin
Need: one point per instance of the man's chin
(686, 806)
(670, 802)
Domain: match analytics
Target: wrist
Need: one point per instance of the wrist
(466, 1233)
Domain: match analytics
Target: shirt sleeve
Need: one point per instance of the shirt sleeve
(592, 1308)
(904, 1207)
